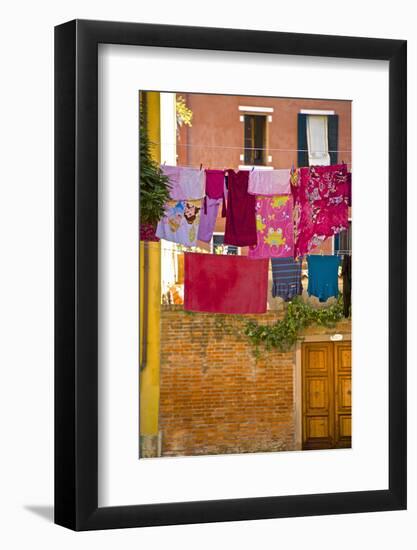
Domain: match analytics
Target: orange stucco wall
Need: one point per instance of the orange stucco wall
(216, 136)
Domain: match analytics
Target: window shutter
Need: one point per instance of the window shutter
(333, 133)
(302, 156)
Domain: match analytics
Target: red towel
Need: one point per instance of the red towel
(225, 284)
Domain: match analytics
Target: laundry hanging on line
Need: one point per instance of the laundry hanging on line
(185, 183)
(240, 216)
(215, 194)
(321, 196)
(274, 226)
(286, 278)
(269, 182)
(225, 284)
(208, 217)
(347, 283)
(323, 280)
(215, 188)
(180, 222)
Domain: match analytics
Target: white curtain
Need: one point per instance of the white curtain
(317, 140)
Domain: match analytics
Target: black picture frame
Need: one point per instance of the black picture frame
(76, 272)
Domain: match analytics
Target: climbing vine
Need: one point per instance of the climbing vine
(283, 334)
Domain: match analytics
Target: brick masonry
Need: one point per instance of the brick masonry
(215, 396)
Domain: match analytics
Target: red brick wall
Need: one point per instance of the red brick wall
(215, 396)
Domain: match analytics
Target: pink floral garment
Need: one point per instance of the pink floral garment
(274, 226)
(320, 205)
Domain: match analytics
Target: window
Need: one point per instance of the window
(255, 139)
(317, 138)
(343, 241)
(219, 248)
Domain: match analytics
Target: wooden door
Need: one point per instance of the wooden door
(343, 394)
(326, 395)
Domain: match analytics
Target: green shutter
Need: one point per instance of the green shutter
(302, 156)
(333, 133)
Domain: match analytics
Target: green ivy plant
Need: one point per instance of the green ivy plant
(283, 334)
(154, 185)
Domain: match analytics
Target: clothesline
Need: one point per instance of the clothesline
(150, 244)
(186, 221)
(254, 165)
(250, 148)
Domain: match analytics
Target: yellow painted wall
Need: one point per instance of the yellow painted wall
(154, 123)
(151, 252)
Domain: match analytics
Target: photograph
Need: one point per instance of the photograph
(192, 356)
(245, 274)
(210, 319)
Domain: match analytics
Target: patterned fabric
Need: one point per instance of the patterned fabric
(180, 222)
(286, 277)
(240, 219)
(219, 283)
(323, 276)
(275, 229)
(269, 182)
(320, 205)
(349, 181)
(185, 183)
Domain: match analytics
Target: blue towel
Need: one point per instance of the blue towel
(323, 276)
(286, 277)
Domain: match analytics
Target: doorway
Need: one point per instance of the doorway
(326, 395)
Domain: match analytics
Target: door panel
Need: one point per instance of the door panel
(318, 413)
(345, 426)
(317, 394)
(344, 386)
(343, 394)
(317, 428)
(326, 391)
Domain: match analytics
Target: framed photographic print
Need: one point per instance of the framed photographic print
(230, 275)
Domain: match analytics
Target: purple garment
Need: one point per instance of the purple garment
(208, 215)
(185, 183)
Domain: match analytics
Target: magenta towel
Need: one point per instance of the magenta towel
(240, 216)
(215, 184)
(215, 189)
(225, 284)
